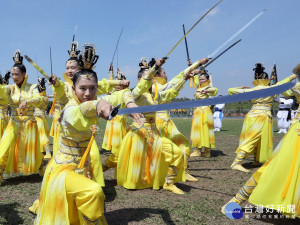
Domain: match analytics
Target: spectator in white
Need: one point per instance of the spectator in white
(284, 114)
(218, 116)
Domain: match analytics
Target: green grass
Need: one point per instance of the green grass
(200, 205)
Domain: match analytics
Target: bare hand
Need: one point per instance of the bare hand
(160, 62)
(22, 106)
(124, 83)
(189, 74)
(104, 109)
(245, 87)
(203, 91)
(204, 60)
(53, 79)
(136, 116)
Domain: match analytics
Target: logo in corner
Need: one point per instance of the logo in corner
(233, 211)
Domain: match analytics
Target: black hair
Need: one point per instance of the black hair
(158, 71)
(141, 72)
(21, 67)
(84, 72)
(73, 59)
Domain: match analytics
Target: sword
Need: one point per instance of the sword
(191, 29)
(221, 53)
(237, 33)
(211, 101)
(37, 67)
(186, 45)
(116, 46)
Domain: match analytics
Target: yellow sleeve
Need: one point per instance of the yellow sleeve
(82, 116)
(167, 95)
(122, 97)
(36, 100)
(286, 80)
(236, 90)
(4, 89)
(59, 89)
(105, 86)
(213, 91)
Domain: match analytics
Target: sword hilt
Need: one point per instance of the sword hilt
(114, 112)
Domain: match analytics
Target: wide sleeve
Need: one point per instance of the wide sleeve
(82, 116)
(122, 97)
(145, 83)
(36, 100)
(59, 89)
(4, 90)
(105, 86)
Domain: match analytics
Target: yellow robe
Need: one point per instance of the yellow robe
(144, 156)
(257, 132)
(202, 131)
(69, 193)
(64, 92)
(279, 178)
(42, 123)
(164, 124)
(19, 148)
(3, 112)
(117, 127)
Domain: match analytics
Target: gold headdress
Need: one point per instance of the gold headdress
(120, 75)
(144, 63)
(18, 59)
(73, 52)
(88, 57)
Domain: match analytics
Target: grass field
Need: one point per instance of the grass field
(200, 205)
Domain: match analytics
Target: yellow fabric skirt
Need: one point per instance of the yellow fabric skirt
(168, 129)
(279, 183)
(114, 132)
(19, 148)
(145, 157)
(42, 125)
(257, 137)
(55, 131)
(202, 132)
(3, 124)
(67, 196)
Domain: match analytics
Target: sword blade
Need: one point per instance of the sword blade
(37, 67)
(237, 33)
(117, 46)
(211, 101)
(51, 60)
(222, 53)
(192, 28)
(186, 45)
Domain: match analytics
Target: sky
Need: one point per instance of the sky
(151, 29)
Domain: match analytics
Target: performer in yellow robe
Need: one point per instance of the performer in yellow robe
(257, 134)
(19, 148)
(117, 127)
(70, 192)
(63, 91)
(41, 120)
(146, 159)
(164, 123)
(4, 105)
(276, 184)
(202, 132)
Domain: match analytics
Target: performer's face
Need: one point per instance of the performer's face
(17, 75)
(202, 79)
(71, 68)
(162, 74)
(119, 88)
(85, 89)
